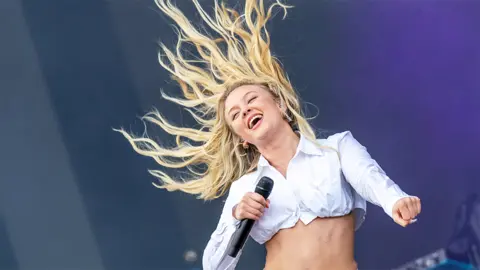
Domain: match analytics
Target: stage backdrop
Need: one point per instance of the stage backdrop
(403, 76)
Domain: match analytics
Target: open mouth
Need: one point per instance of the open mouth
(255, 121)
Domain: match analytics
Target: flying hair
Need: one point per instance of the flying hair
(235, 52)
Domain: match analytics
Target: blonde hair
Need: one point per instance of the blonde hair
(239, 54)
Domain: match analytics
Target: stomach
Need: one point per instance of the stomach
(325, 243)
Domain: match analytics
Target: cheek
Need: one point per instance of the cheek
(237, 127)
(273, 111)
(269, 106)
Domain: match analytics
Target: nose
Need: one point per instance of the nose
(247, 111)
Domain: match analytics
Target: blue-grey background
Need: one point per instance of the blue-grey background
(403, 76)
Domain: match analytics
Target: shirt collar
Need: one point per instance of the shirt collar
(305, 145)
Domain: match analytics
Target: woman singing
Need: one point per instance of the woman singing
(252, 126)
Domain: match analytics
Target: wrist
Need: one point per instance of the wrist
(233, 211)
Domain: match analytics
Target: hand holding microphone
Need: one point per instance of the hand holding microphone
(250, 209)
(252, 206)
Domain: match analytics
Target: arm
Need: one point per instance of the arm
(366, 176)
(217, 245)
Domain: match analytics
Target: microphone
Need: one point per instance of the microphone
(264, 188)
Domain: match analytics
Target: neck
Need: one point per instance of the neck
(280, 149)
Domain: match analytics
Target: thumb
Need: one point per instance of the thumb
(399, 220)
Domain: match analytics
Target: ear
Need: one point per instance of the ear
(245, 144)
(242, 141)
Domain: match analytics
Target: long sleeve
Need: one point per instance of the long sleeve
(217, 245)
(365, 175)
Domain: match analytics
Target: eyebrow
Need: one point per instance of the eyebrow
(229, 111)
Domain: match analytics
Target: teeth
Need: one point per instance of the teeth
(250, 124)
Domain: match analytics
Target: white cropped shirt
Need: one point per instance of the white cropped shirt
(320, 182)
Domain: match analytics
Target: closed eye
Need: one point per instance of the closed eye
(235, 116)
(252, 99)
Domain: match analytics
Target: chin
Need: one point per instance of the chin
(264, 132)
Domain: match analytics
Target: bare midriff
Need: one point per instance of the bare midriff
(323, 244)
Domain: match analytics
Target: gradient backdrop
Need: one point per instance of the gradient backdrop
(402, 75)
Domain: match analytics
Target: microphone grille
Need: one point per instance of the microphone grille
(264, 186)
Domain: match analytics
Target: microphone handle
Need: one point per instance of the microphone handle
(264, 188)
(240, 237)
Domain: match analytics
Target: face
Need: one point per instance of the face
(253, 113)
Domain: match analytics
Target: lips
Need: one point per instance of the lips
(253, 120)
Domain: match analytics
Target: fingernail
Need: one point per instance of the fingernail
(413, 221)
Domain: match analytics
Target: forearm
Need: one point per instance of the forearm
(366, 176)
(377, 188)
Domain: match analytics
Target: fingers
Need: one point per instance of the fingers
(418, 205)
(244, 211)
(405, 210)
(252, 213)
(255, 197)
(399, 220)
(414, 206)
(252, 206)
